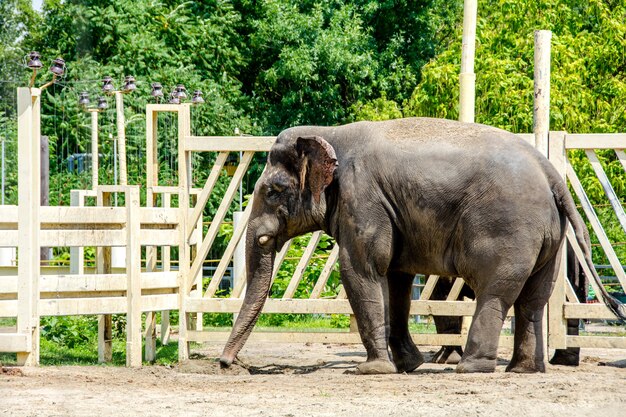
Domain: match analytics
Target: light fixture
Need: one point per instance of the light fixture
(197, 97)
(58, 67)
(34, 61)
(181, 91)
(174, 98)
(129, 84)
(157, 90)
(102, 103)
(107, 85)
(83, 99)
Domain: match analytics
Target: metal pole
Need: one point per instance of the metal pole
(467, 78)
(541, 108)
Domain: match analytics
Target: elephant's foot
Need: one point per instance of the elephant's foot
(566, 357)
(467, 366)
(406, 356)
(450, 355)
(378, 366)
(408, 362)
(527, 366)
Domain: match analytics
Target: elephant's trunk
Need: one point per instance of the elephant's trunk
(259, 266)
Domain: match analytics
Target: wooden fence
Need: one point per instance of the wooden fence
(156, 286)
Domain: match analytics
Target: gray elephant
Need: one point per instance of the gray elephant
(411, 196)
(452, 325)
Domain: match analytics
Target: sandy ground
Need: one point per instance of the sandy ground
(314, 380)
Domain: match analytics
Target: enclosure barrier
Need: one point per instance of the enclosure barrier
(30, 295)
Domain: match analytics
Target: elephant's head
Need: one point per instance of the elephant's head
(288, 201)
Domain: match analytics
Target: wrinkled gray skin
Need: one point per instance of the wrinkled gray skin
(416, 196)
(452, 325)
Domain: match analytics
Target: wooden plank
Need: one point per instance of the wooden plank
(228, 253)
(163, 108)
(87, 216)
(279, 259)
(607, 187)
(15, 342)
(587, 311)
(184, 250)
(427, 291)
(326, 306)
(29, 243)
(208, 188)
(164, 237)
(133, 279)
(62, 238)
(159, 216)
(229, 143)
(424, 339)
(302, 264)
(557, 325)
(325, 274)
(94, 283)
(596, 141)
(8, 215)
(597, 226)
(229, 195)
(455, 290)
(621, 155)
(604, 342)
(9, 239)
(77, 253)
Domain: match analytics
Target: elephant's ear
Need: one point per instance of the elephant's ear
(318, 164)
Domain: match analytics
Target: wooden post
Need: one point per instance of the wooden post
(105, 321)
(95, 155)
(44, 149)
(166, 265)
(121, 136)
(29, 133)
(184, 257)
(557, 324)
(541, 108)
(467, 78)
(77, 253)
(133, 278)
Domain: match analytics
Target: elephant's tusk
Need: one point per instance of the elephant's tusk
(263, 239)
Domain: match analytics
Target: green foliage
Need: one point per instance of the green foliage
(69, 331)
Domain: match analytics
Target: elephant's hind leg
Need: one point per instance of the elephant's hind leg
(528, 351)
(406, 356)
(481, 350)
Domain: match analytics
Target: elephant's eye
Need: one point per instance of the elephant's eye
(275, 189)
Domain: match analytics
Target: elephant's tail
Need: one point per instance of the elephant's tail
(565, 202)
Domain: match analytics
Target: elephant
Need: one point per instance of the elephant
(417, 195)
(452, 325)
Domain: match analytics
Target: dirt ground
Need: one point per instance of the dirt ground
(314, 380)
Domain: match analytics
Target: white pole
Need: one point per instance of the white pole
(121, 136)
(541, 113)
(94, 149)
(467, 78)
(3, 169)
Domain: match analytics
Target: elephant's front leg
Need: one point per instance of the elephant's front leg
(367, 292)
(406, 356)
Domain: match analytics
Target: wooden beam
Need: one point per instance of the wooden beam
(15, 342)
(596, 141)
(229, 143)
(302, 264)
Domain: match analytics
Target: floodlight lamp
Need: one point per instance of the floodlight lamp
(174, 98)
(129, 84)
(58, 67)
(157, 90)
(34, 61)
(107, 85)
(102, 103)
(197, 97)
(83, 99)
(181, 91)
